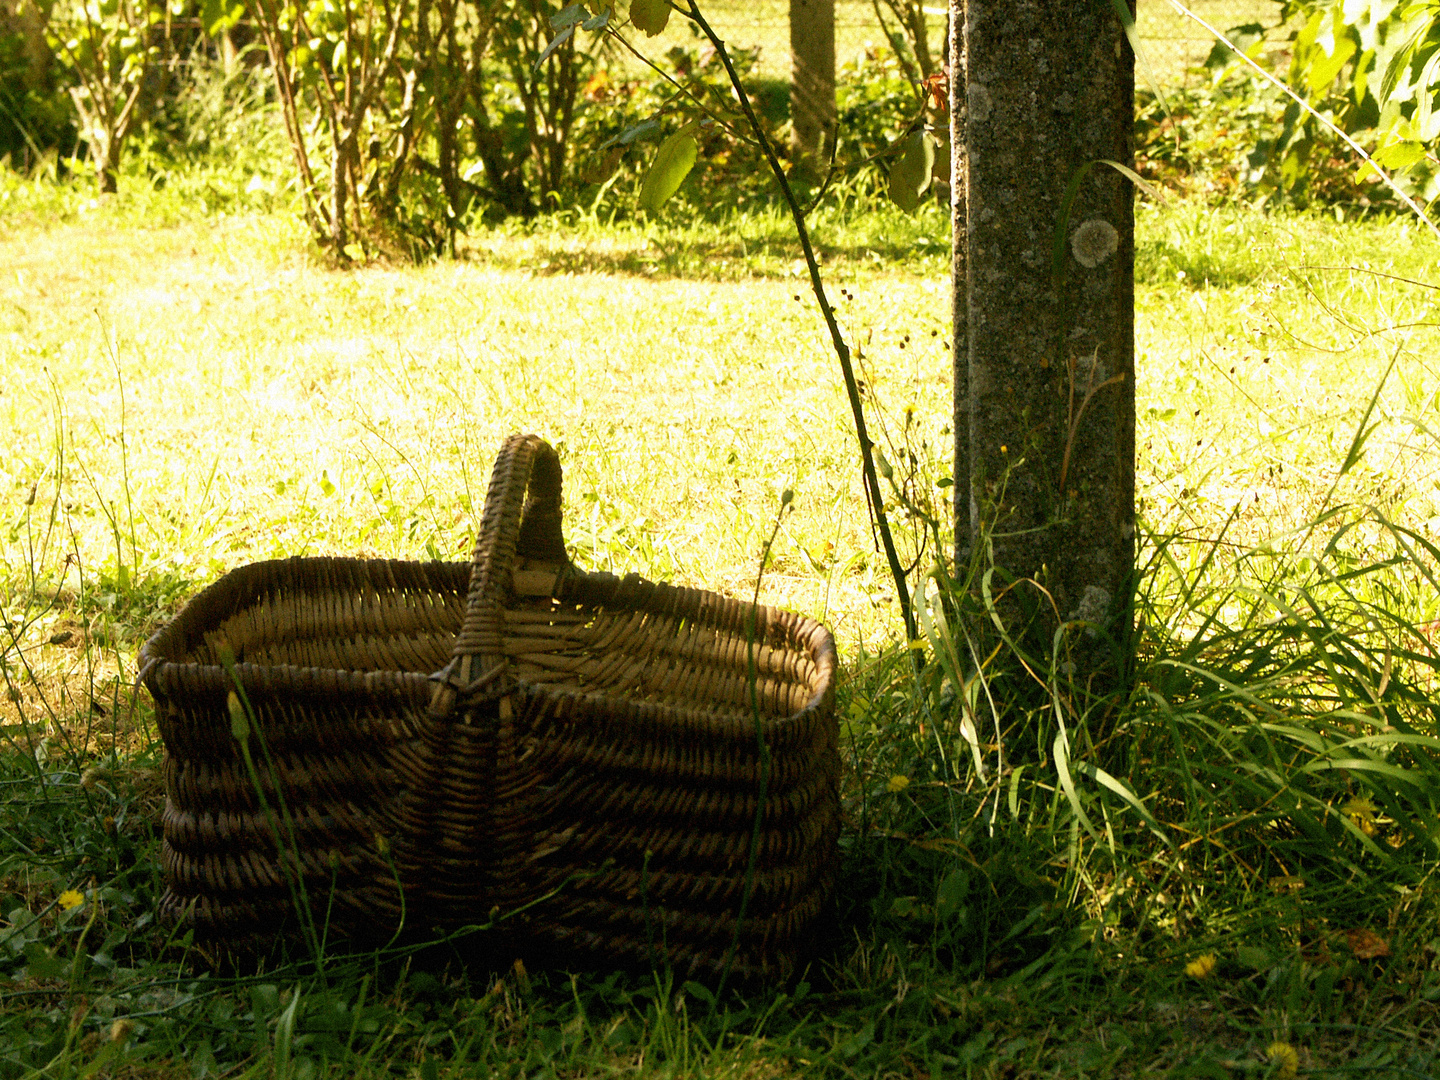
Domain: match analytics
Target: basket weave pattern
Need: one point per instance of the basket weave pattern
(445, 740)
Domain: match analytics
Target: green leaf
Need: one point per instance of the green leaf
(643, 130)
(1136, 179)
(1103, 778)
(673, 162)
(1252, 957)
(1401, 59)
(1062, 227)
(285, 1036)
(559, 40)
(1364, 431)
(951, 893)
(217, 16)
(1325, 68)
(700, 993)
(650, 16)
(1060, 750)
(1012, 800)
(568, 17)
(1400, 155)
(599, 169)
(202, 1061)
(910, 178)
(1127, 20)
(1425, 114)
(853, 1044)
(44, 964)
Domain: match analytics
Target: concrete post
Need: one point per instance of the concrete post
(812, 86)
(1041, 91)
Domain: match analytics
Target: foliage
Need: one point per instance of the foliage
(968, 935)
(221, 122)
(625, 114)
(1233, 134)
(1374, 66)
(910, 40)
(690, 88)
(34, 109)
(337, 60)
(466, 124)
(106, 49)
(877, 106)
(1370, 69)
(1227, 868)
(412, 102)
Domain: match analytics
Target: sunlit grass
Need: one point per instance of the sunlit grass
(272, 406)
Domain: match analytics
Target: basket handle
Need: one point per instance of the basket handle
(513, 526)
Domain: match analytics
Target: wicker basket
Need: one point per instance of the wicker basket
(591, 753)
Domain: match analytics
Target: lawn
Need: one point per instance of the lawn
(183, 398)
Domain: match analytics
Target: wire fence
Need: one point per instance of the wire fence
(1174, 45)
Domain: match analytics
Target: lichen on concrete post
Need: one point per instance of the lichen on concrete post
(1041, 97)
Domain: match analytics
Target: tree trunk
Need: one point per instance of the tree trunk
(26, 20)
(339, 195)
(107, 166)
(1044, 312)
(812, 86)
(102, 141)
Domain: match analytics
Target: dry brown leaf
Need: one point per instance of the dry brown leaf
(1367, 945)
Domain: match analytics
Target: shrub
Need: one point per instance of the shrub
(35, 115)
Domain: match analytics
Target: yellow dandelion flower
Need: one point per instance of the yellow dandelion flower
(70, 898)
(1359, 808)
(1361, 811)
(1283, 1055)
(898, 782)
(1202, 967)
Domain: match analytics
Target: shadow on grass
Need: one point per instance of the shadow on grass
(1158, 261)
(709, 260)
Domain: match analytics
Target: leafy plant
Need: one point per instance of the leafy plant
(910, 40)
(35, 112)
(106, 50)
(1375, 65)
(877, 107)
(342, 58)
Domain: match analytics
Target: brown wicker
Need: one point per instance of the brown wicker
(587, 753)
